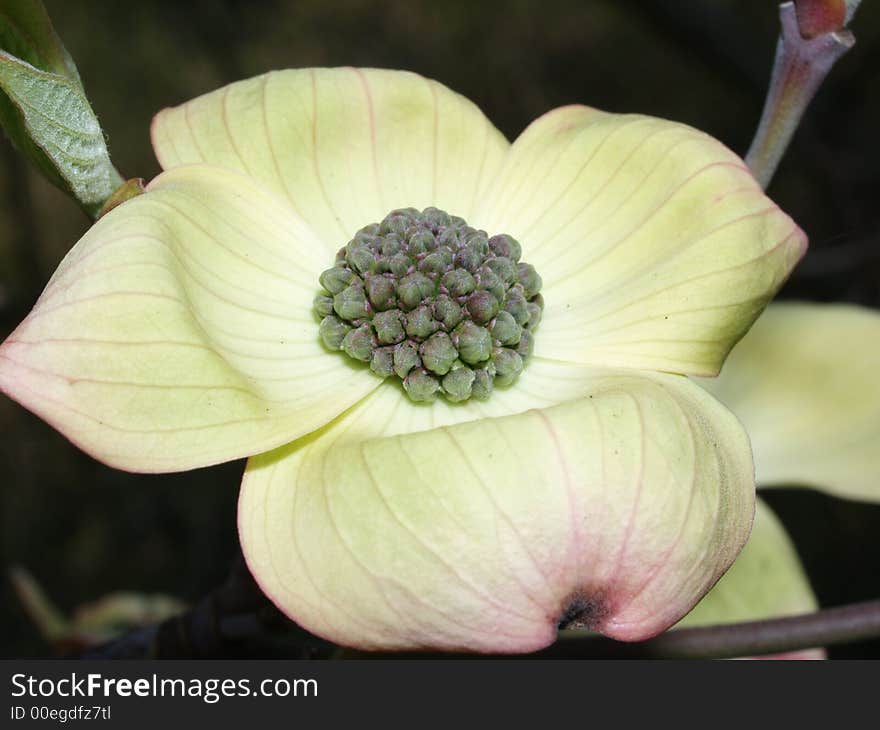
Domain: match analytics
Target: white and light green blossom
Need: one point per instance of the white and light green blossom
(601, 488)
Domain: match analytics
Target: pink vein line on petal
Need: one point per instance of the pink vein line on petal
(177, 255)
(515, 153)
(609, 249)
(41, 396)
(315, 156)
(186, 112)
(378, 585)
(574, 547)
(55, 290)
(245, 235)
(318, 360)
(479, 185)
(436, 133)
(224, 117)
(661, 562)
(615, 577)
(459, 526)
(588, 202)
(504, 517)
(43, 311)
(368, 95)
(720, 527)
(264, 96)
(579, 325)
(414, 535)
(169, 138)
(297, 547)
(584, 233)
(75, 258)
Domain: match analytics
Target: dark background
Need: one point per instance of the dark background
(84, 530)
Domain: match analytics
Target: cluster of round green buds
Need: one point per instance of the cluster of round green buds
(425, 297)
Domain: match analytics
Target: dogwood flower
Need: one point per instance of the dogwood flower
(586, 483)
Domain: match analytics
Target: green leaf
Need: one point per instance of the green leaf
(44, 110)
(27, 33)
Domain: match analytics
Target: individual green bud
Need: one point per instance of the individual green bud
(474, 343)
(504, 329)
(458, 282)
(535, 314)
(458, 222)
(492, 283)
(526, 346)
(421, 240)
(323, 305)
(484, 384)
(477, 240)
(399, 264)
(421, 386)
(504, 269)
(433, 263)
(468, 259)
(381, 290)
(481, 306)
(438, 353)
(369, 230)
(447, 312)
(412, 288)
(366, 238)
(360, 257)
(449, 238)
(359, 343)
(336, 279)
(530, 280)
(506, 246)
(382, 361)
(457, 384)
(332, 332)
(397, 221)
(516, 304)
(391, 245)
(420, 323)
(351, 303)
(389, 327)
(406, 357)
(508, 365)
(435, 218)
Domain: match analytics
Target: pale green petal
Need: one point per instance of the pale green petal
(805, 383)
(344, 145)
(618, 510)
(178, 332)
(657, 247)
(766, 581)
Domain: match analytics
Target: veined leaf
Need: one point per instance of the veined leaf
(44, 109)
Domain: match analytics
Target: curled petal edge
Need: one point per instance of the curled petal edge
(617, 512)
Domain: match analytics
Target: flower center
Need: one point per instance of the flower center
(425, 297)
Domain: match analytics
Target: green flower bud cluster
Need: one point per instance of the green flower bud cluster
(442, 306)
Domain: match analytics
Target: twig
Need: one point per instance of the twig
(829, 627)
